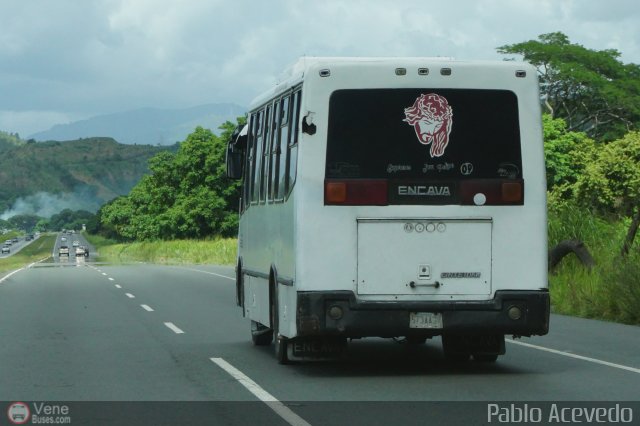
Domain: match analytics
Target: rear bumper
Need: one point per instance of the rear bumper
(391, 319)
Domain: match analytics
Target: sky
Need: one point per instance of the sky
(66, 60)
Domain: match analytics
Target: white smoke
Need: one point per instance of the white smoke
(45, 204)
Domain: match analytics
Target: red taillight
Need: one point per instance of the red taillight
(348, 192)
(495, 191)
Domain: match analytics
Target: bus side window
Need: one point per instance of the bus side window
(292, 157)
(282, 148)
(266, 143)
(275, 136)
(249, 162)
(257, 160)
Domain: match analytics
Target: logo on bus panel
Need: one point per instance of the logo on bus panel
(431, 117)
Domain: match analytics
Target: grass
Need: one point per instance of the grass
(611, 289)
(37, 250)
(179, 252)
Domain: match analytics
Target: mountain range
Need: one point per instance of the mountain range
(83, 164)
(42, 178)
(146, 126)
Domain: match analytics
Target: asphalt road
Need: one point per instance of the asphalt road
(85, 332)
(69, 240)
(16, 247)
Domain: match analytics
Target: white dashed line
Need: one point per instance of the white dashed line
(118, 286)
(580, 357)
(104, 273)
(130, 296)
(173, 328)
(264, 396)
(110, 279)
(147, 308)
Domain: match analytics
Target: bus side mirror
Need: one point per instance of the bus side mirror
(235, 153)
(307, 124)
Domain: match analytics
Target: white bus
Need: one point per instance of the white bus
(393, 197)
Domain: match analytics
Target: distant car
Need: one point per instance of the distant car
(29, 237)
(8, 242)
(15, 239)
(80, 251)
(6, 249)
(63, 251)
(63, 239)
(76, 243)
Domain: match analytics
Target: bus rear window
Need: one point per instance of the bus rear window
(423, 134)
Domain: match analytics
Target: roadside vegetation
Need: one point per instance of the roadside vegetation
(220, 251)
(38, 250)
(609, 290)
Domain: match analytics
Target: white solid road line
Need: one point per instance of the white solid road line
(173, 328)
(206, 272)
(130, 296)
(118, 286)
(147, 308)
(8, 275)
(580, 357)
(264, 396)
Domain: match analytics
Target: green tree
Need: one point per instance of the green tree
(591, 90)
(610, 182)
(566, 153)
(187, 194)
(24, 222)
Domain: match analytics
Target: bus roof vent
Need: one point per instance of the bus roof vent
(423, 71)
(521, 73)
(401, 71)
(445, 71)
(325, 72)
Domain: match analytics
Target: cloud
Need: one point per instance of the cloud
(108, 56)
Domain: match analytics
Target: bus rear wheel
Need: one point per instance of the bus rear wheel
(261, 335)
(281, 342)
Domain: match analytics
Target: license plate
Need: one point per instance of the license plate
(425, 320)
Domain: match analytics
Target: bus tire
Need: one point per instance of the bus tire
(488, 358)
(261, 335)
(240, 287)
(281, 345)
(281, 342)
(454, 350)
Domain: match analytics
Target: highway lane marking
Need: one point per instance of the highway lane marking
(264, 396)
(8, 275)
(130, 296)
(38, 261)
(570, 355)
(118, 286)
(147, 308)
(206, 272)
(104, 273)
(110, 279)
(171, 326)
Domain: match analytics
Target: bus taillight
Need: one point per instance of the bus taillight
(356, 192)
(496, 192)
